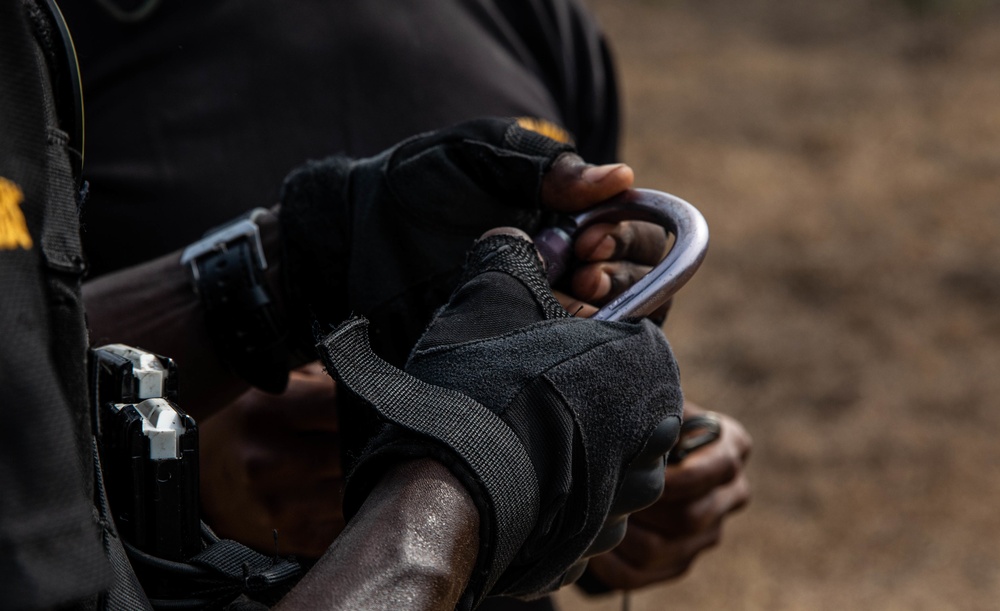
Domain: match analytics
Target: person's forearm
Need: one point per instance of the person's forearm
(412, 545)
(153, 306)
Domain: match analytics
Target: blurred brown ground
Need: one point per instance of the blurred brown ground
(847, 157)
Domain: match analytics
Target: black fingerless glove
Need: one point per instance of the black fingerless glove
(386, 236)
(557, 426)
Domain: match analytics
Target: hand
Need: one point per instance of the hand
(558, 426)
(385, 237)
(272, 462)
(699, 494)
(619, 255)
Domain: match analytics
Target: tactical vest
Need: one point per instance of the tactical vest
(59, 545)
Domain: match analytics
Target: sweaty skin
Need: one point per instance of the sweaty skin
(412, 545)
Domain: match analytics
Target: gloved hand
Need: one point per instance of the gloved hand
(385, 236)
(700, 494)
(558, 426)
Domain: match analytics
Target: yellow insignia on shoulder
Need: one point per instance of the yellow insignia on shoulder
(543, 127)
(13, 229)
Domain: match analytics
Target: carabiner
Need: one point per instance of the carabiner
(678, 217)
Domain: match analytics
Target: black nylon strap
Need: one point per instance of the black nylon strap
(473, 432)
(241, 315)
(217, 576)
(242, 564)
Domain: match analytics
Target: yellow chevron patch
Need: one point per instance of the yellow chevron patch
(543, 127)
(13, 229)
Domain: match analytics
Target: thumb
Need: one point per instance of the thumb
(492, 159)
(502, 289)
(572, 185)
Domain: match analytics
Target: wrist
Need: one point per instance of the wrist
(232, 270)
(271, 242)
(314, 221)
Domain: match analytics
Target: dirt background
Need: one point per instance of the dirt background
(847, 157)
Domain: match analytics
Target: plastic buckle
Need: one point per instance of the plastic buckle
(220, 239)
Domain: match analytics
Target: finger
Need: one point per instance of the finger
(701, 472)
(617, 574)
(313, 369)
(503, 288)
(647, 551)
(642, 483)
(602, 282)
(681, 519)
(644, 558)
(712, 465)
(572, 185)
(741, 438)
(636, 241)
(693, 409)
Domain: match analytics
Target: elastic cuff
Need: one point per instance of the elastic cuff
(315, 240)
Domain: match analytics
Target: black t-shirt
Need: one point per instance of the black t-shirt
(196, 113)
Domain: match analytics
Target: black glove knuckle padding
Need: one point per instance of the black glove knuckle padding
(590, 406)
(385, 237)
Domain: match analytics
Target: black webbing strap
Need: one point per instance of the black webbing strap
(241, 315)
(254, 571)
(215, 577)
(479, 437)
